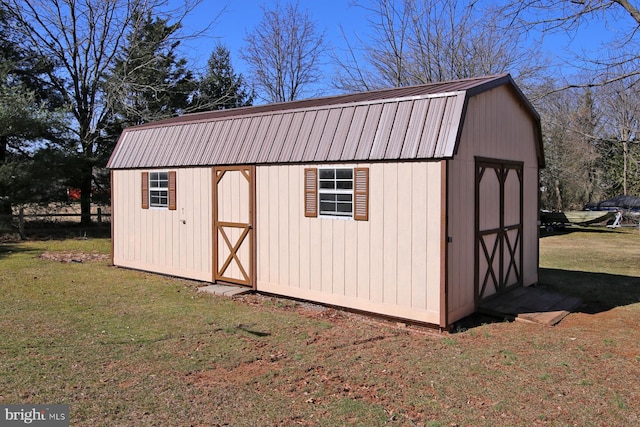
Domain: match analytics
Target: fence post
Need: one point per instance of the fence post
(21, 224)
(99, 216)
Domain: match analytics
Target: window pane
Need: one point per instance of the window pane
(159, 198)
(158, 179)
(344, 173)
(327, 207)
(344, 208)
(335, 191)
(330, 185)
(328, 197)
(344, 185)
(327, 173)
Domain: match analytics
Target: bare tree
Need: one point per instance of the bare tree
(284, 53)
(385, 54)
(620, 104)
(571, 124)
(423, 41)
(568, 17)
(82, 38)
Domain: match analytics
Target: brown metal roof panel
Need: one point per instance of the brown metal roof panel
(368, 132)
(255, 137)
(121, 156)
(416, 124)
(198, 155)
(355, 132)
(209, 139)
(168, 147)
(188, 142)
(226, 144)
(268, 130)
(273, 142)
(399, 131)
(473, 84)
(281, 147)
(153, 144)
(176, 146)
(240, 148)
(219, 139)
(193, 141)
(432, 128)
(283, 152)
(132, 151)
(326, 137)
(145, 145)
(383, 132)
(315, 133)
(452, 120)
(340, 136)
(236, 143)
(297, 154)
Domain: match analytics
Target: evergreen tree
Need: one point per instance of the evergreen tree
(148, 81)
(220, 88)
(29, 114)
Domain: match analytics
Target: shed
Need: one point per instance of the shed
(415, 203)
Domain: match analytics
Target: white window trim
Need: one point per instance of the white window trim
(152, 189)
(321, 191)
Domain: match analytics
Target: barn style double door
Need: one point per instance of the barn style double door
(233, 219)
(498, 228)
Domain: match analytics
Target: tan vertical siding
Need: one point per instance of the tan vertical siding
(157, 239)
(496, 126)
(385, 265)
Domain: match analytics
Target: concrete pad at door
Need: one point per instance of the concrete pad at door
(225, 290)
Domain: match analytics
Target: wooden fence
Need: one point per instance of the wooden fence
(21, 219)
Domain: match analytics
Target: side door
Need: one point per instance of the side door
(498, 228)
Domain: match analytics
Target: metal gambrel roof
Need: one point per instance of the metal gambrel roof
(419, 122)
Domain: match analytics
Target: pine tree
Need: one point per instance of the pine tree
(29, 114)
(221, 88)
(148, 81)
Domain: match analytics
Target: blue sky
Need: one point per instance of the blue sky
(241, 16)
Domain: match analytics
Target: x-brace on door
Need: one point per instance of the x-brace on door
(233, 219)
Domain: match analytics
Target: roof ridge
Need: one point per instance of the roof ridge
(348, 98)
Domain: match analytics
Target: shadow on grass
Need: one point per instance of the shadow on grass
(476, 319)
(7, 249)
(598, 291)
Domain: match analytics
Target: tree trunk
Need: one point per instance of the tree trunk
(3, 148)
(558, 196)
(85, 197)
(625, 153)
(5, 204)
(5, 214)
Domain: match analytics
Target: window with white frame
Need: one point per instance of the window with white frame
(335, 192)
(159, 189)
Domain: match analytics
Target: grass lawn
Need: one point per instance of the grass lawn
(128, 348)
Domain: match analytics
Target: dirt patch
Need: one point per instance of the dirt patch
(74, 256)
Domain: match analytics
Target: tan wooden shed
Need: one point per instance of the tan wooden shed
(415, 203)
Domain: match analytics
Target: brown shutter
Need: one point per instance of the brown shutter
(172, 190)
(311, 192)
(145, 190)
(361, 194)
